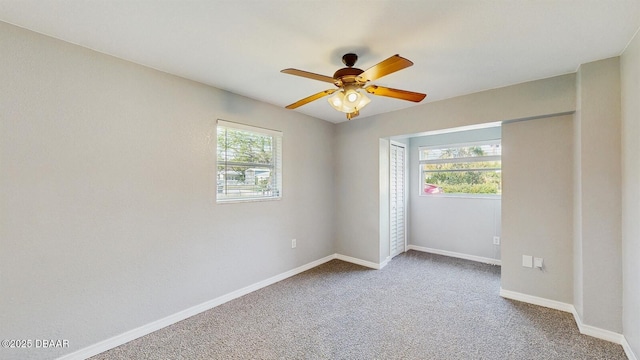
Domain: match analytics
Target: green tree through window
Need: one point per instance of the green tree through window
(461, 169)
(249, 162)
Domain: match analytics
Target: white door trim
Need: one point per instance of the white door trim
(404, 197)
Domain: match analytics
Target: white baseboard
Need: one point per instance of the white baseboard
(361, 262)
(608, 335)
(552, 304)
(593, 331)
(385, 262)
(627, 349)
(125, 337)
(133, 334)
(456, 255)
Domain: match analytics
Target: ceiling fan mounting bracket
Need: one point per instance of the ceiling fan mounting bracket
(349, 59)
(348, 75)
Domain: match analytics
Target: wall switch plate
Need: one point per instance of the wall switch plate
(293, 243)
(496, 240)
(537, 263)
(527, 261)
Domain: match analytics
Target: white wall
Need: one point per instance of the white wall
(630, 75)
(537, 199)
(463, 225)
(108, 219)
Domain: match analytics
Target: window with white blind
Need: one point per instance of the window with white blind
(472, 169)
(249, 163)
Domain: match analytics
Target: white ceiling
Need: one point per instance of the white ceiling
(458, 47)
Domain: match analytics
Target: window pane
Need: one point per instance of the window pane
(461, 169)
(243, 146)
(248, 164)
(462, 182)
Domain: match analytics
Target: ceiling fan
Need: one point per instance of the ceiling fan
(346, 98)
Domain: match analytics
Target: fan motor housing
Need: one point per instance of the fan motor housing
(347, 75)
(347, 71)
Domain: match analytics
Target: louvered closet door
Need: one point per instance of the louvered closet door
(397, 200)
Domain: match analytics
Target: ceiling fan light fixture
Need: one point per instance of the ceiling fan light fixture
(363, 101)
(348, 97)
(351, 115)
(337, 100)
(351, 96)
(348, 101)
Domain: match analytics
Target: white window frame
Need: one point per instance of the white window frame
(457, 160)
(276, 191)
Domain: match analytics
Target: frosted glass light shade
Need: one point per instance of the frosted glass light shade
(363, 101)
(348, 101)
(351, 96)
(337, 100)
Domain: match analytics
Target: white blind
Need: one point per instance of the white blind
(249, 162)
(249, 128)
(468, 152)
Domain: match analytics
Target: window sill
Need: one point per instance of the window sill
(247, 200)
(463, 196)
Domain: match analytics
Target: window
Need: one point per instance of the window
(249, 163)
(463, 169)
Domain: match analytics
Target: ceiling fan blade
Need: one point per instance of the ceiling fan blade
(309, 75)
(395, 93)
(385, 67)
(311, 98)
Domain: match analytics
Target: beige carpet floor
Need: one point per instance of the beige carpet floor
(420, 306)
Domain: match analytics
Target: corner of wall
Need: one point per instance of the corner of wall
(383, 201)
(597, 223)
(630, 85)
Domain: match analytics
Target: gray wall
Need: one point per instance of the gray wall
(464, 225)
(537, 198)
(598, 242)
(108, 219)
(358, 141)
(630, 75)
(597, 213)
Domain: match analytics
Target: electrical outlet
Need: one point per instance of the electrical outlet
(537, 263)
(496, 240)
(293, 243)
